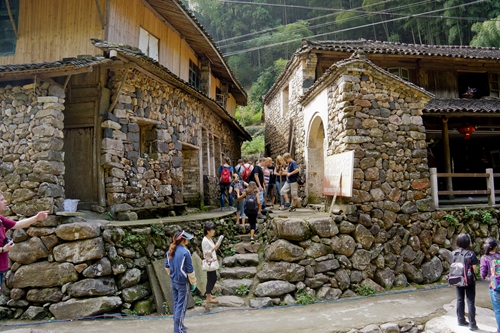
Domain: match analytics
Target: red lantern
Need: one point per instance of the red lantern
(466, 130)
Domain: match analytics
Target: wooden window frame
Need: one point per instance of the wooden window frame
(194, 75)
(5, 21)
(402, 72)
(149, 44)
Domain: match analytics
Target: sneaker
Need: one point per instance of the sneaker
(260, 216)
(252, 241)
(474, 328)
(282, 207)
(222, 209)
(292, 209)
(463, 323)
(287, 204)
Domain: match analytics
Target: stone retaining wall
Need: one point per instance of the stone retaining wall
(83, 268)
(334, 257)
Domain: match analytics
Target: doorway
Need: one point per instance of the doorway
(315, 161)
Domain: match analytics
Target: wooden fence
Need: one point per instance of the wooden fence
(488, 175)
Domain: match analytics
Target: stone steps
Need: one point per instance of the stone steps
(230, 286)
(245, 259)
(238, 272)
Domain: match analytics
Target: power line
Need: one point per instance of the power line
(348, 29)
(318, 25)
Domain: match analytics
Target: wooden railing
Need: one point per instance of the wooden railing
(488, 175)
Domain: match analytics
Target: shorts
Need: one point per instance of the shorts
(293, 187)
(271, 190)
(240, 208)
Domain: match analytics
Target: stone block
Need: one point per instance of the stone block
(79, 251)
(80, 308)
(44, 274)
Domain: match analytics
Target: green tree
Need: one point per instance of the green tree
(487, 33)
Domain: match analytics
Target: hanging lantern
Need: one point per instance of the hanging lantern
(466, 130)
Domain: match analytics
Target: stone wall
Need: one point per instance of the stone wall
(32, 168)
(78, 269)
(142, 147)
(333, 257)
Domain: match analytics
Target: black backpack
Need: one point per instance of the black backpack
(251, 206)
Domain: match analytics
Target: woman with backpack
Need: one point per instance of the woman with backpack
(237, 187)
(225, 172)
(490, 266)
(251, 207)
(469, 261)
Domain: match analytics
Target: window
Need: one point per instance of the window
(494, 85)
(194, 75)
(220, 97)
(400, 71)
(8, 36)
(148, 44)
(472, 85)
(285, 96)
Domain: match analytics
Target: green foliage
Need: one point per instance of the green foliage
(364, 290)
(487, 33)
(304, 298)
(165, 306)
(198, 301)
(157, 229)
(452, 220)
(241, 290)
(229, 251)
(254, 147)
(485, 217)
(130, 239)
(470, 214)
(108, 216)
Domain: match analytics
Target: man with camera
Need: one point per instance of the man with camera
(6, 242)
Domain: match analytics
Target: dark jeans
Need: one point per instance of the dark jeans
(223, 189)
(1, 278)
(211, 279)
(470, 293)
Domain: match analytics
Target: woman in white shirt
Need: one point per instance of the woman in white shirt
(210, 256)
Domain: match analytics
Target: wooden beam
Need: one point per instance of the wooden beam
(67, 81)
(48, 79)
(115, 100)
(11, 18)
(447, 155)
(464, 175)
(481, 192)
(101, 16)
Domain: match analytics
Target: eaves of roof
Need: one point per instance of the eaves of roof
(184, 21)
(135, 55)
(389, 48)
(458, 106)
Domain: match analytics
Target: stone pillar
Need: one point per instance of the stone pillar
(309, 70)
(206, 68)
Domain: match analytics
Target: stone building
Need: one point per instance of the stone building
(140, 126)
(401, 108)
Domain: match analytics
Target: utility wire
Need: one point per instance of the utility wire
(348, 29)
(314, 26)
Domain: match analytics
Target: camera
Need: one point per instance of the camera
(6, 240)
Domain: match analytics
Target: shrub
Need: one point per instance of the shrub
(304, 298)
(242, 290)
(364, 290)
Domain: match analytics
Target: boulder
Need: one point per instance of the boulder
(432, 270)
(261, 302)
(80, 308)
(281, 270)
(80, 251)
(230, 301)
(292, 229)
(400, 281)
(80, 230)
(385, 277)
(229, 286)
(45, 295)
(361, 259)
(326, 265)
(44, 274)
(29, 251)
(144, 307)
(274, 288)
(93, 287)
(282, 250)
(363, 236)
(135, 293)
(412, 274)
(343, 244)
(389, 328)
(343, 279)
(238, 272)
(315, 250)
(371, 329)
(317, 281)
(247, 259)
(102, 267)
(129, 278)
(323, 227)
(35, 313)
(113, 235)
(373, 284)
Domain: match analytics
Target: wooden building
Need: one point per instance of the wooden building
(463, 80)
(143, 105)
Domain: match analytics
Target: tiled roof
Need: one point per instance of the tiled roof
(134, 53)
(66, 63)
(421, 50)
(458, 105)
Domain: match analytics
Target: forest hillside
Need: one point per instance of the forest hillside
(259, 36)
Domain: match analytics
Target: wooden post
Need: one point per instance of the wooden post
(490, 184)
(434, 187)
(447, 157)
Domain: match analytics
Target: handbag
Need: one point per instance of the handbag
(209, 266)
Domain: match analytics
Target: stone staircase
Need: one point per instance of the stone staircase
(238, 272)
